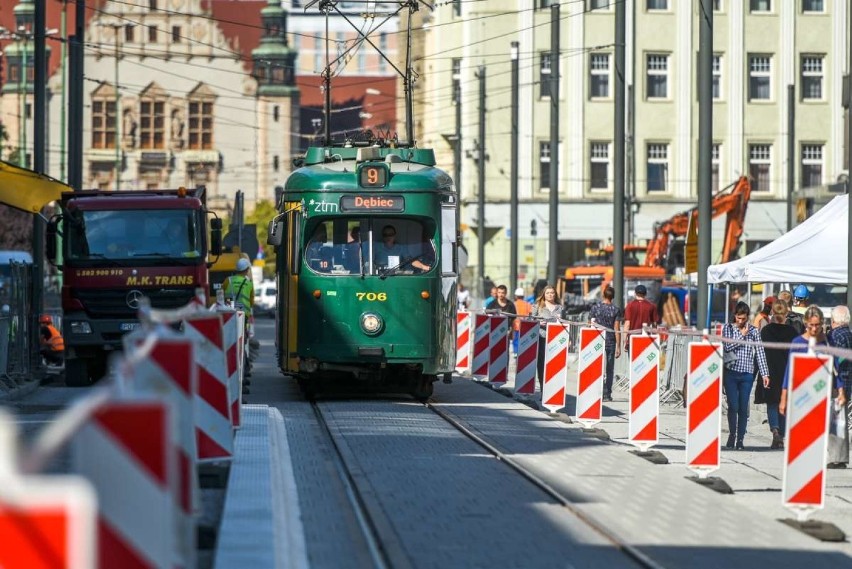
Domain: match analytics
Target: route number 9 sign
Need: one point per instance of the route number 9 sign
(373, 177)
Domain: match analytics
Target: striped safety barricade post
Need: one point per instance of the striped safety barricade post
(481, 345)
(528, 333)
(125, 451)
(644, 400)
(215, 439)
(555, 367)
(231, 340)
(590, 376)
(807, 433)
(165, 366)
(704, 407)
(463, 322)
(498, 348)
(47, 522)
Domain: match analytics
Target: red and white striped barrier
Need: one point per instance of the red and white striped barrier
(498, 349)
(555, 367)
(47, 522)
(644, 400)
(528, 333)
(703, 407)
(807, 433)
(165, 367)
(463, 321)
(215, 440)
(481, 345)
(126, 452)
(590, 372)
(231, 339)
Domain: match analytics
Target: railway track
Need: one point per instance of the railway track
(387, 546)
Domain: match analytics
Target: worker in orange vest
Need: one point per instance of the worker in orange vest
(522, 308)
(52, 344)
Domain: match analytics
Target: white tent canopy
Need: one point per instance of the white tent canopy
(813, 252)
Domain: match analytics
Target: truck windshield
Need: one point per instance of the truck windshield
(132, 234)
(378, 246)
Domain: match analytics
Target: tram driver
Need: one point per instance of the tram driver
(388, 253)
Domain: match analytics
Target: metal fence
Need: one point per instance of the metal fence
(21, 354)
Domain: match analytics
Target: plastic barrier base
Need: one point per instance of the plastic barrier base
(599, 433)
(714, 483)
(652, 456)
(823, 531)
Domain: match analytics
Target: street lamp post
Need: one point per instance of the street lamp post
(22, 89)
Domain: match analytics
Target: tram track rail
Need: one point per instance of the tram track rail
(628, 550)
(378, 542)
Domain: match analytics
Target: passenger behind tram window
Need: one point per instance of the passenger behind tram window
(317, 254)
(351, 250)
(388, 253)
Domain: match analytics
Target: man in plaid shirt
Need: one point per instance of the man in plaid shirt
(739, 371)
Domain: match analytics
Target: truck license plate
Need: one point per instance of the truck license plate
(128, 326)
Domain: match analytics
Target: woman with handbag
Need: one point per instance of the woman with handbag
(548, 308)
(739, 371)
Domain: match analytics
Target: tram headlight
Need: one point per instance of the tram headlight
(371, 323)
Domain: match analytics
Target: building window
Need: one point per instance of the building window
(152, 123)
(544, 75)
(760, 77)
(456, 80)
(456, 7)
(152, 5)
(544, 164)
(658, 76)
(657, 5)
(383, 46)
(152, 34)
(128, 33)
(760, 5)
(717, 5)
(715, 162)
(103, 123)
(200, 124)
(545, 3)
(361, 61)
(812, 77)
(717, 77)
(278, 75)
(599, 166)
(276, 113)
(759, 166)
(599, 75)
(813, 6)
(811, 165)
(176, 37)
(658, 167)
(319, 62)
(276, 163)
(597, 5)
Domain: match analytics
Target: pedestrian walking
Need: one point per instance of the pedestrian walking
(607, 314)
(503, 304)
(639, 312)
(777, 330)
(463, 297)
(840, 336)
(548, 307)
(794, 319)
(522, 308)
(738, 376)
(762, 318)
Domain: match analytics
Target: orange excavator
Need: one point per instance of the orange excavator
(665, 249)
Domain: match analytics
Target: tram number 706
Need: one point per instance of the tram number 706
(372, 296)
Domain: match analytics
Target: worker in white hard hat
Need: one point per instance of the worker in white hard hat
(522, 308)
(240, 288)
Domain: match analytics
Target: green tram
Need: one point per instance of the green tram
(367, 269)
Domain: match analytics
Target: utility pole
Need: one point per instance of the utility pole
(705, 150)
(553, 230)
(24, 35)
(39, 145)
(618, 156)
(75, 97)
(791, 152)
(63, 64)
(513, 175)
(849, 142)
(480, 157)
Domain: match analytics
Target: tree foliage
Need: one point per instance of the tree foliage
(263, 213)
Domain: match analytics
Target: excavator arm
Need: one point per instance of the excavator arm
(27, 190)
(732, 201)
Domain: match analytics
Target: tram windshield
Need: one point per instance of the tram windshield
(380, 246)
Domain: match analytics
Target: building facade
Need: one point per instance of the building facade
(761, 47)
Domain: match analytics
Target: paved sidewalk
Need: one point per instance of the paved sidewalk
(755, 474)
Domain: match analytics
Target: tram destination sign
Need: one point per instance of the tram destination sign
(372, 203)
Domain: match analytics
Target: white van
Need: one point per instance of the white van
(265, 299)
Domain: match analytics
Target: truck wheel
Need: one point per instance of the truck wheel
(77, 373)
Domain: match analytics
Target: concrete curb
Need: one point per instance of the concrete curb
(261, 522)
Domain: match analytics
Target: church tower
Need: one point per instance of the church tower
(274, 69)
